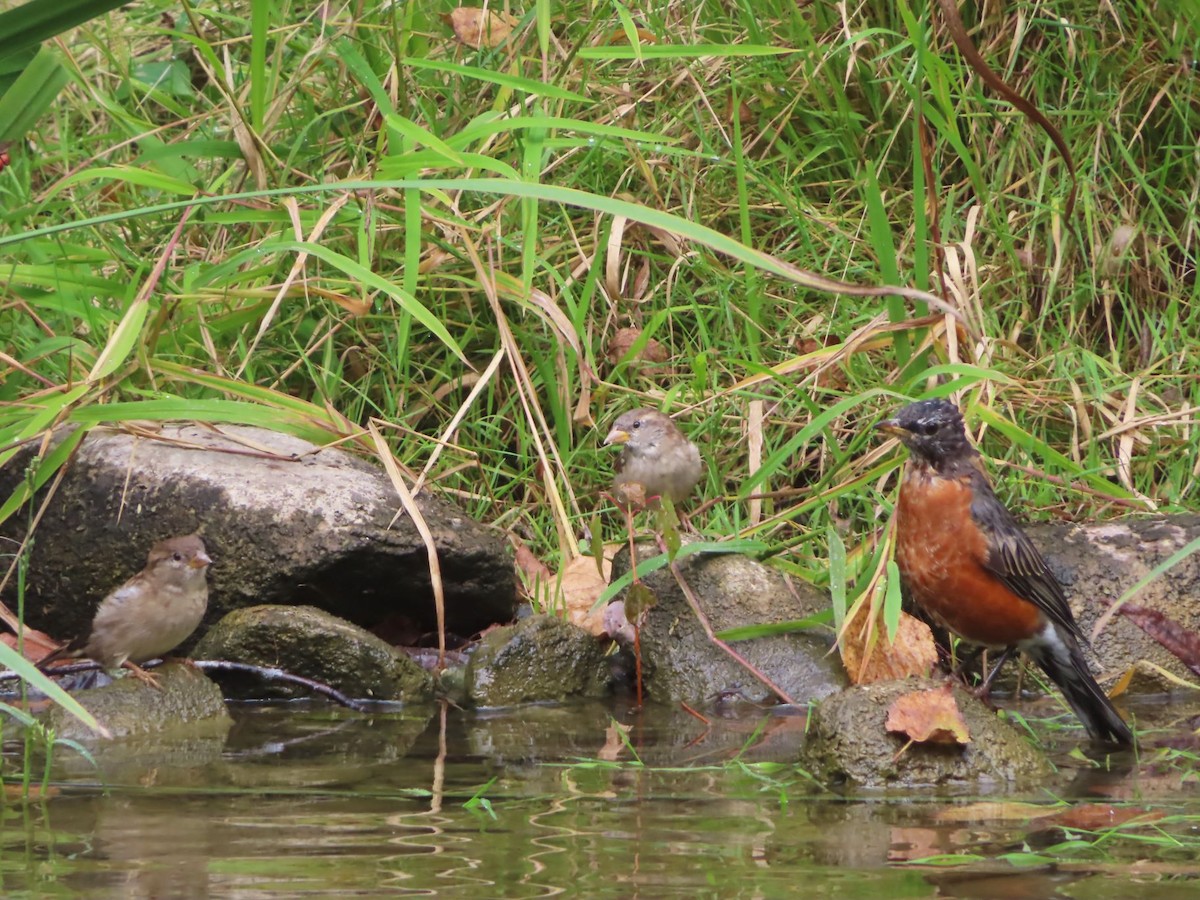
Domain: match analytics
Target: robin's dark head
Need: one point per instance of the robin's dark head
(932, 430)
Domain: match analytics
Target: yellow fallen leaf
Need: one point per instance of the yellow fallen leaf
(481, 27)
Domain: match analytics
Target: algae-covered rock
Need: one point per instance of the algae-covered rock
(680, 662)
(539, 658)
(848, 742)
(188, 705)
(306, 641)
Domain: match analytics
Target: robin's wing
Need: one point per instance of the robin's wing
(1014, 559)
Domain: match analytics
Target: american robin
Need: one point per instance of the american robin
(966, 563)
(150, 614)
(654, 455)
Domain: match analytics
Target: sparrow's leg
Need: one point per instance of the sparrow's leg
(142, 675)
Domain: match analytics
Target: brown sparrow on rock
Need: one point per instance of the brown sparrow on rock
(150, 614)
(654, 455)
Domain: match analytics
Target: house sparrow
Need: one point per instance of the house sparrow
(654, 456)
(151, 613)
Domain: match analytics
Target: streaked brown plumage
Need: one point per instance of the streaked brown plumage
(655, 455)
(150, 614)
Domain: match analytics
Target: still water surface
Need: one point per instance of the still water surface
(309, 801)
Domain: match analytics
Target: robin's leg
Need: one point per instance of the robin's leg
(985, 689)
(969, 665)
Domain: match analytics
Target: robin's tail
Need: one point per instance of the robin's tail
(1061, 658)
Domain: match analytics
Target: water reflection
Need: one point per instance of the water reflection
(311, 800)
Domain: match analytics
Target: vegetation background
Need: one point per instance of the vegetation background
(343, 218)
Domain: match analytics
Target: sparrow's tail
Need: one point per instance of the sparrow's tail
(1061, 658)
(66, 651)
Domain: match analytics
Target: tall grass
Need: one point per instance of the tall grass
(281, 214)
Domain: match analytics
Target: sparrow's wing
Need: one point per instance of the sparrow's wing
(116, 604)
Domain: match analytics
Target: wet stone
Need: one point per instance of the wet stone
(540, 658)
(188, 705)
(314, 644)
(679, 661)
(849, 744)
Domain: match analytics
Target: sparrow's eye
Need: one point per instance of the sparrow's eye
(177, 556)
(637, 425)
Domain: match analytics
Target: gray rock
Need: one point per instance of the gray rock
(679, 662)
(283, 521)
(312, 643)
(1097, 563)
(540, 658)
(188, 705)
(848, 743)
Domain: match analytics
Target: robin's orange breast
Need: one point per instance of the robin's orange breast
(940, 552)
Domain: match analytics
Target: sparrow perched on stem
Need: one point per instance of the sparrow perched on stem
(150, 614)
(965, 561)
(654, 455)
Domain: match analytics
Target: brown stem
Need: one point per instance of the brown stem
(694, 603)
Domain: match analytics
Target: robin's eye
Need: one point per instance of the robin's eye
(927, 428)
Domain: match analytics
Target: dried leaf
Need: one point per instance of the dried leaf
(578, 589)
(623, 341)
(37, 643)
(1095, 816)
(928, 717)
(912, 653)
(618, 36)
(533, 569)
(481, 27)
(614, 742)
(997, 811)
(17, 792)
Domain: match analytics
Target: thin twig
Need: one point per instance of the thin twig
(694, 603)
(266, 673)
(272, 674)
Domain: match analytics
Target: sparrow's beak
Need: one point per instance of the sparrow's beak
(199, 561)
(616, 436)
(891, 426)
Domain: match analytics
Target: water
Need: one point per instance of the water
(311, 801)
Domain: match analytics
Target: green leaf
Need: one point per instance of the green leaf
(46, 468)
(260, 24)
(837, 574)
(654, 563)
(526, 85)
(892, 601)
(364, 74)
(211, 410)
(31, 94)
(119, 346)
(356, 270)
(42, 682)
(770, 629)
(638, 599)
(423, 136)
(130, 175)
(38, 20)
(649, 52)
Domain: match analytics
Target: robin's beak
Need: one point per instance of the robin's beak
(891, 426)
(616, 436)
(199, 561)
